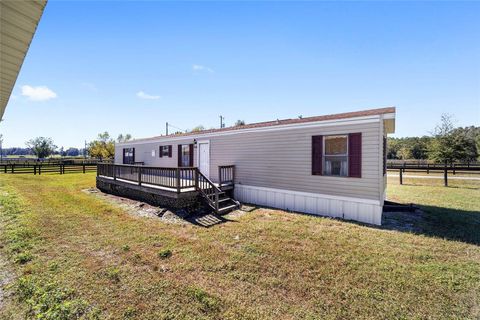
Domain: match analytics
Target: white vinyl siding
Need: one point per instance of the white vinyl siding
(281, 159)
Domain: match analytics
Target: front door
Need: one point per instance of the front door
(204, 158)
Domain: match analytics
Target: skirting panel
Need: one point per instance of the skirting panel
(368, 211)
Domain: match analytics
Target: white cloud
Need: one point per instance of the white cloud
(199, 67)
(143, 95)
(40, 93)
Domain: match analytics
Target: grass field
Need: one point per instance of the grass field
(75, 255)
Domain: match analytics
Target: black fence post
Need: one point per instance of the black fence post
(428, 168)
(83, 166)
(114, 172)
(454, 169)
(34, 169)
(39, 169)
(445, 178)
(401, 177)
(13, 167)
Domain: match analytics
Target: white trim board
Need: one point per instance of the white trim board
(323, 123)
(197, 147)
(363, 210)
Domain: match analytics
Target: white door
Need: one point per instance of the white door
(204, 158)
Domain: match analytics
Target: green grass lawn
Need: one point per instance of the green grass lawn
(75, 255)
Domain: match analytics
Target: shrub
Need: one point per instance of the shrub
(165, 254)
(113, 274)
(203, 297)
(23, 257)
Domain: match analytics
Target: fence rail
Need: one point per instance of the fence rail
(39, 168)
(32, 161)
(412, 166)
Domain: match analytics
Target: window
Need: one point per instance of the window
(165, 151)
(185, 155)
(153, 153)
(335, 155)
(128, 155)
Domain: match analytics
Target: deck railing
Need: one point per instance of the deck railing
(174, 178)
(226, 175)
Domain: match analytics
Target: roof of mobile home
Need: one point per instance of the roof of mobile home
(19, 20)
(388, 113)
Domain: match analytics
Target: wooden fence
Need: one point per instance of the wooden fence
(435, 167)
(42, 168)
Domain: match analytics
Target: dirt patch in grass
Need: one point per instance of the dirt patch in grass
(201, 217)
(140, 209)
(6, 279)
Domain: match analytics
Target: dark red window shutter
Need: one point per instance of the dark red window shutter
(124, 156)
(160, 151)
(169, 151)
(317, 153)
(355, 155)
(179, 155)
(190, 153)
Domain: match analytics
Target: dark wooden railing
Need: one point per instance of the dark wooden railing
(226, 175)
(209, 190)
(175, 178)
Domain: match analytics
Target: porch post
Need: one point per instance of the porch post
(178, 179)
(139, 176)
(219, 176)
(196, 178)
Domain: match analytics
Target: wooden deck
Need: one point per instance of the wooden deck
(172, 186)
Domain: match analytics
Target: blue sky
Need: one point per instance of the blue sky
(128, 67)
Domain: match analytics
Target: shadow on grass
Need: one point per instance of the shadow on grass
(431, 221)
(207, 220)
(446, 223)
(441, 185)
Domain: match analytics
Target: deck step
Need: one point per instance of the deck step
(229, 208)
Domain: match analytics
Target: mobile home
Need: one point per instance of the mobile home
(332, 165)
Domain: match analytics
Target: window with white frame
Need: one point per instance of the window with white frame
(335, 155)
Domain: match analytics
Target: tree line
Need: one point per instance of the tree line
(446, 144)
(43, 147)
